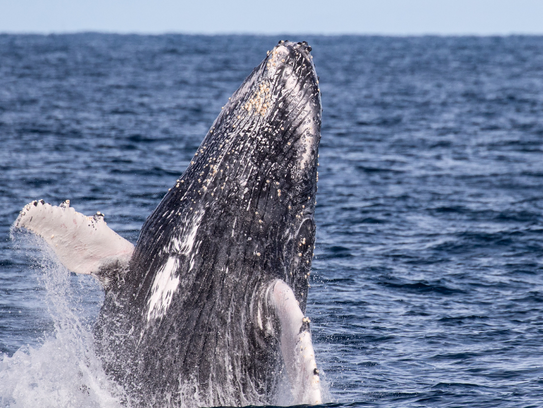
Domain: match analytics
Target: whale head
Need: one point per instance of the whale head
(254, 177)
(240, 218)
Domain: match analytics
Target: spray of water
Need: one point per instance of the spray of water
(64, 371)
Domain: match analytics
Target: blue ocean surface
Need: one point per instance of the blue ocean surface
(427, 285)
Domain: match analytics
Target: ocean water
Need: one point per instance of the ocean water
(427, 286)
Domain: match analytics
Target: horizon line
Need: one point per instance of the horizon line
(256, 34)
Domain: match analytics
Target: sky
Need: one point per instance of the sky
(386, 17)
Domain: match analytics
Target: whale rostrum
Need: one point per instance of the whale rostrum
(208, 308)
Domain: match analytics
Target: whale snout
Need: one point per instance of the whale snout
(301, 46)
(291, 52)
(295, 96)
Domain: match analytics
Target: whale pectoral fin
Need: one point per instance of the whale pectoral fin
(296, 346)
(82, 244)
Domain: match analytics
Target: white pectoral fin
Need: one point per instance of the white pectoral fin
(82, 244)
(296, 346)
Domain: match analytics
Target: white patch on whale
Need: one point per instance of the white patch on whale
(166, 282)
(164, 286)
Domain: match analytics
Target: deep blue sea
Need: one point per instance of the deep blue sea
(427, 286)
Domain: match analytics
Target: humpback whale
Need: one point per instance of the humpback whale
(208, 308)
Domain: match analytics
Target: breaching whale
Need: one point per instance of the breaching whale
(208, 308)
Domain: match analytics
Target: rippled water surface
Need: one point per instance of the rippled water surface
(427, 287)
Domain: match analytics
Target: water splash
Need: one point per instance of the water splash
(64, 371)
